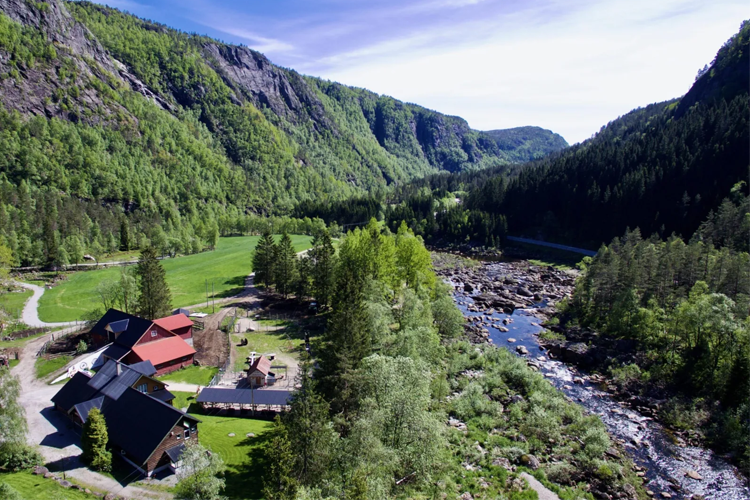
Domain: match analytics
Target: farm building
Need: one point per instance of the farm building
(144, 428)
(259, 373)
(135, 339)
(178, 323)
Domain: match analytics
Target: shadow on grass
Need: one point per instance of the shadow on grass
(246, 480)
(237, 285)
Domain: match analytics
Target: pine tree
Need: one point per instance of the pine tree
(285, 265)
(263, 260)
(94, 442)
(154, 297)
(124, 236)
(279, 482)
(323, 268)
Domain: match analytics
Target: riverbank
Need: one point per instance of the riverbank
(507, 302)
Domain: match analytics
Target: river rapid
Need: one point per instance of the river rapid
(666, 463)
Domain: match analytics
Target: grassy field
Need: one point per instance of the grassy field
(33, 487)
(12, 302)
(241, 454)
(226, 267)
(287, 340)
(200, 375)
(46, 366)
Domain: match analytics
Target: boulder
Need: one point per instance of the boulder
(502, 462)
(693, 475)
(40, 471)
(530, 461)
(522, 350)
(66, 484)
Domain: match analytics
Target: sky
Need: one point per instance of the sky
(569, 66)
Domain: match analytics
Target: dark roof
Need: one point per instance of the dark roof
(134, 327)
(115, 351)
(174, 452)
(75, 391)
(162, 395)
(84, 408)
(144, 368)
(111, 382)
(136, 422)
(244, 396)
(139, 437)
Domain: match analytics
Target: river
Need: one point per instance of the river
(664, 461)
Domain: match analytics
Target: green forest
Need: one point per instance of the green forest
(163, 144)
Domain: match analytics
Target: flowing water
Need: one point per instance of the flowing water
(651, 446)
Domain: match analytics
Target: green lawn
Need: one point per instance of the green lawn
(12, 302)
(46, 366)
(200, 375)
(184, 400)
(33, 487)
(241, 454)
(20, 342)
(285, 341)
(225, 268)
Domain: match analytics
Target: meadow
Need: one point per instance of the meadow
(225, 269)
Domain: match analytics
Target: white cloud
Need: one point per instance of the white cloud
(571, 74)
(258, 42)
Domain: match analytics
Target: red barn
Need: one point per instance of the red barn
(135, 339)
(179, 324)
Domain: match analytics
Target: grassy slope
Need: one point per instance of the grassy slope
(46, 366)
(227, 266)
(33, 487)
(240, 453)
(289, 341)
(12, 302)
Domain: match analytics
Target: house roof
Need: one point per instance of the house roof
(128, 327)
(144, 368)
(116, 351)
(244, 396)
(163, 350)
(174, 322)
(261, 364)
(174, 452)
(121, 405)
(162, 395)
(140, 438)
(84, 408)
(75, 391)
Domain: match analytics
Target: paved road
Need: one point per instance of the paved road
(529, 241)
(56, 436)
(30, 313)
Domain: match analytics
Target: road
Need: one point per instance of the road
(30, 314)
(582, 251)
(56, 436)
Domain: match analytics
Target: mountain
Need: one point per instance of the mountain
(663, 168)
(527, 143)
(176, 136)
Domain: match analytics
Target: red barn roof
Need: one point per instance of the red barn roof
(161, 351)
(174, 322)
(262, 364)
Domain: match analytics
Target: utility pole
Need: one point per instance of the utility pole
(206, 293)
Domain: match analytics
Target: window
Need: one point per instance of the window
(185, 358)
(142, 388)
(156, 388)
(179, 436)
(153, 333)
(187, 433)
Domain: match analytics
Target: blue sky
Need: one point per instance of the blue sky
(569, 66)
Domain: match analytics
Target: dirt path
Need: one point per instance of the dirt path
(30, 314)
(541, 490)
(56, 436)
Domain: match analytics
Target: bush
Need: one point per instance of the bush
(15, 457)
(82, 347)
(561, 473)
(7, 492)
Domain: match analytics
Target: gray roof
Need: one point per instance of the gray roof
(111, 383)
(244, 396)
(116, 351)
(174, 452)
(144, 368)
(162, 395)
(84, 408)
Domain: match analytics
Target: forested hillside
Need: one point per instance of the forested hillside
(661, 168)
(149, 130)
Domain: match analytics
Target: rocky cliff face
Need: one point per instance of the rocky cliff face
(67, 83)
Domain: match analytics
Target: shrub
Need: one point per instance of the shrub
(561, 473)
(15, 457)
(7, 492)
(82, 347)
